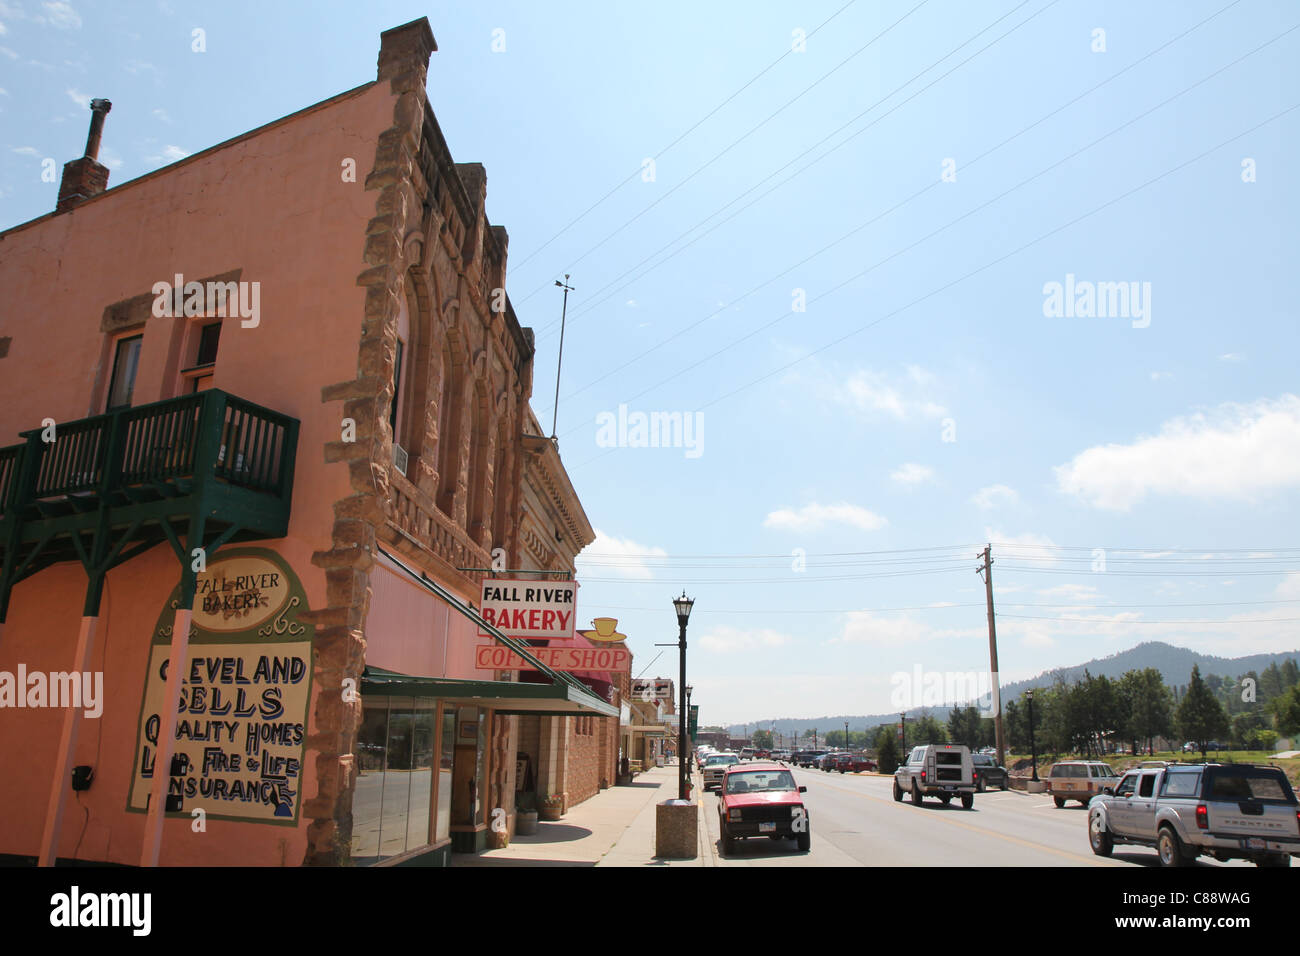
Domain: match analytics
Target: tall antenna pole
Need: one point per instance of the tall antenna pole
(563, 312)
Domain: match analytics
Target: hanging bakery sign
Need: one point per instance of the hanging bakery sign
(529, 609)
(244, 694)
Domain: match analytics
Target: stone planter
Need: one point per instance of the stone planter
(676, 830)
(526, 823)
(1039, 786)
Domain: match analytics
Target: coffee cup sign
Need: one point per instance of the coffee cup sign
(529, 609)
(606, 630)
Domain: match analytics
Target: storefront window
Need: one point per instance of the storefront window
(395, 755)
(442, 827)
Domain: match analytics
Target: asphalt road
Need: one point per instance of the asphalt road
(855, 822)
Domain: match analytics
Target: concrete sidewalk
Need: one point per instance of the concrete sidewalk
(616, 827)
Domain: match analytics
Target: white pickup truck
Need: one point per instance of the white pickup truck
(1227, 811)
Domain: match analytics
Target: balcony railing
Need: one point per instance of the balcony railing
(164, 449)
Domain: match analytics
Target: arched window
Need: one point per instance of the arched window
(448, 430)
(478, 447)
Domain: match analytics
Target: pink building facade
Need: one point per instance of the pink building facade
(284, 486)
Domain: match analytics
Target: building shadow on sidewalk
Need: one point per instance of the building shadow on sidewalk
(552, 833)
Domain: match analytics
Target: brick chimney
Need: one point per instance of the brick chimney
(86, 177)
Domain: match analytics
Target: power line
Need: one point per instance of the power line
(742, 138)
(1090, 620)
(960, 279)
(663, 151)
(950, 224)
(544, 331)
(966, 164)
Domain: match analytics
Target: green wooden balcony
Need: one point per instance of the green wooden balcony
(111, 486)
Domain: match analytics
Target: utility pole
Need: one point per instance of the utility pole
(987, 570)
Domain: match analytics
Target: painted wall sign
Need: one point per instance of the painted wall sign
(529, 609)
(494, 657)
(244, 695)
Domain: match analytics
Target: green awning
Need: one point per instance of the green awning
(505, 697)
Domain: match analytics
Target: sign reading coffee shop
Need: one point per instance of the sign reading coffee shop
(244, 694)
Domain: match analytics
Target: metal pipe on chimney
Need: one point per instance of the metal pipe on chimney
(100, 109)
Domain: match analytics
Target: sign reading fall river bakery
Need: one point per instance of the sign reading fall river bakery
(244, 694)
(529, 609)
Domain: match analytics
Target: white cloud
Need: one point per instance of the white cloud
(162, 115)
(813, 516)
(60, 15)
(173, 153)
(1071, 592)
(1232, 357)
(1289, 587)
(25, 150)
(913, 474)
(1237, 452)
(894, 630)
(81, 99)
(3, 29)
(1159, 376)
(12, 54)
(727, 640)
(620, 555)
(1027, 548)
(995, 496)
(872, 393)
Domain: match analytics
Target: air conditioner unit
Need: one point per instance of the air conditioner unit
(399, 458)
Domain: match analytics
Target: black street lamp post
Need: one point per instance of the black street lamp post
(683, 606)
(1033, 753)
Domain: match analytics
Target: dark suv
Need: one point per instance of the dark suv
(988, 773)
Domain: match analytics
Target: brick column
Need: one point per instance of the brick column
(340, 625)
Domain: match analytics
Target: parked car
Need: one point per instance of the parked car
(761, 800)
(988, 773)
(809, 757)
(1228, 811)
(826, 761)
(715, 766)
(852, 763)
(938, 770)
(1079, 780)
(747, 753)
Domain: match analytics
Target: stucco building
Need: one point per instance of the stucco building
(265, 424)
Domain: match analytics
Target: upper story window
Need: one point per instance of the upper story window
(203, 353)
(126, 362)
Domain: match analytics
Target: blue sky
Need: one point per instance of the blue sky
(922, 398)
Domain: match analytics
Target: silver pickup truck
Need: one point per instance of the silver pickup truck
(1227, 811)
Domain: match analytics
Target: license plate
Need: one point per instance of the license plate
(767, 828)
(950, 788)
(1255, 843)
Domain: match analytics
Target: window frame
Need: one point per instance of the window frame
(135, 335)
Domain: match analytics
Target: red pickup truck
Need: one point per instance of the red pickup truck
(761, 800)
